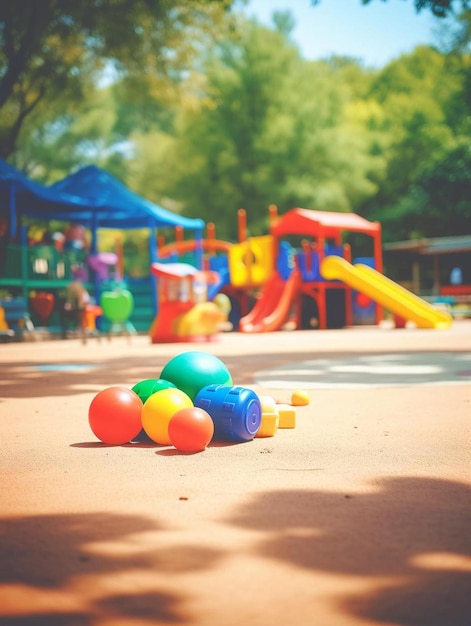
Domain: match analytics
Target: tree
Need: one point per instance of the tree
(439, 8)
(55, 48)
(270, 128)
(446, 185)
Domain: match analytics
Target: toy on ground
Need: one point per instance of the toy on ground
(182, 410)
(276, 415)
(114, 415)
(190, 371)
(235, 411)
(287, 415)
(191, 429)
(159, 409)
(144, 389)
(300, 398)
(270, 417)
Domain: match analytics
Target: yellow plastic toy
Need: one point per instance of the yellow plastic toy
(300, 398)
(3, 323)
(270, 417)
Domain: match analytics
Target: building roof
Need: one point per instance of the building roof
(436, 245)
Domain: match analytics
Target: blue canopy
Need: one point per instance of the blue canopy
(91, 197)
(116, 206)
(19, 194)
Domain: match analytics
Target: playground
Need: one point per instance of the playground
(304, 273)
(350, 505)
(359, 515)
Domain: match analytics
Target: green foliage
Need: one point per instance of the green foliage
(269, 130)
(439, 8)
(205, 129)
(423, 118)
(54, 48)
(446, 185)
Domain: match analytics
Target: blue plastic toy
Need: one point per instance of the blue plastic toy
(235, 411)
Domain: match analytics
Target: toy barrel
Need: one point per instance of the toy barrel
(235, 411)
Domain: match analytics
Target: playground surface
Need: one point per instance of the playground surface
(360, 515)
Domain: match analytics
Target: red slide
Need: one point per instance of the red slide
(272, 308)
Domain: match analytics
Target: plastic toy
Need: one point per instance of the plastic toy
(300, 398)
(287, 415)
(114, 415)
(191, 429)
(193, 370)
(117, 306)
(184, 313)
(235, 411)
(159, 409)
(268, 404)
(269, 424)
(144, 389)
(270, 417)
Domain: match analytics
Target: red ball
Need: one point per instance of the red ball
(115, 415)
(191, 429)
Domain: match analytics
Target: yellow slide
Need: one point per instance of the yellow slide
(385, 292)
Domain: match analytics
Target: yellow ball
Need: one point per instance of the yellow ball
(300, 398)
(159, 409)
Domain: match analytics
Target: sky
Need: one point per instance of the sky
(375, 33)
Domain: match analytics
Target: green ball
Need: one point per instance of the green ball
(191, 371)
(145, 388)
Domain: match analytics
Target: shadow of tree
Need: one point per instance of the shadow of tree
(48, 552)
(378, 534)
(24, 380)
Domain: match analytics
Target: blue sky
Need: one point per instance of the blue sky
(375, 33)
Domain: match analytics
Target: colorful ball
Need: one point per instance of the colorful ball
(159, 409)
(191, 371)
(191, 429)
(144, 389)
(114, 415)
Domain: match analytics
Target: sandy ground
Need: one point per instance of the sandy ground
(360, 515)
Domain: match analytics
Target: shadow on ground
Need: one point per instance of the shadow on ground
(47, 553)
(411, 532)
(61, 378)
(415, 531)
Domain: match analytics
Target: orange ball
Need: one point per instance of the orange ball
(114, 415)
(191, 429)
